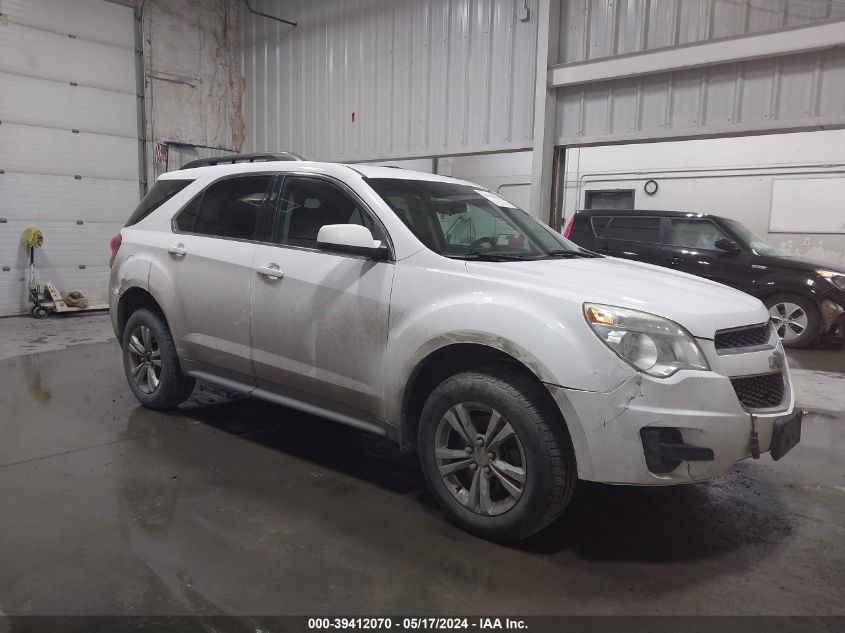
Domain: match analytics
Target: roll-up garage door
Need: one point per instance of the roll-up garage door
(68, 141)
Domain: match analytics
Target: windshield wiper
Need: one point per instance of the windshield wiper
(491, 257)
(565, 253)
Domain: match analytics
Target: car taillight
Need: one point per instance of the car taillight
(115, 243)
(568, 230)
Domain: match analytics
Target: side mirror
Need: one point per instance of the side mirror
(726, 244)
(351, 238)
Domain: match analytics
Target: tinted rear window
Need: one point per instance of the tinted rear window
(161, 192)
(228, 208)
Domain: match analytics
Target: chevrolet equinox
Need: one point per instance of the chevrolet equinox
(437, 313)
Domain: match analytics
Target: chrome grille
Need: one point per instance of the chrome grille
(759, 392)
(737, 338)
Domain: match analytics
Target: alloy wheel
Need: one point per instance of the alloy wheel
(144, 359)
(789, 319)
(480, 458)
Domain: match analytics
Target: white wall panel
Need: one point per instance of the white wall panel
(58, 104)
(38, 198)
(30, 149)
(423, 77)
(35, 53)
(66, 244)
(93, 20)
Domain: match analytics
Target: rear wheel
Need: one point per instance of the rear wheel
(496, 454)
(151, 363)
(795, 318)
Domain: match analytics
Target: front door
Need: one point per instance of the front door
(208, 260)
(691, 247)
(319, 318)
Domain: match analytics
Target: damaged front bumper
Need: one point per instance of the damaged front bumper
(681, 429)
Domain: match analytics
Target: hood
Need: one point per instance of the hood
(795, 263)
(699, 305)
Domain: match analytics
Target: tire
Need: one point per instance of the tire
(494, 499)
(151, 363)
(40, 312)
(796, 319)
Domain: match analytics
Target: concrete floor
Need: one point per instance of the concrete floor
(241, 507)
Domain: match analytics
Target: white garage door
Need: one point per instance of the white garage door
(68, 141)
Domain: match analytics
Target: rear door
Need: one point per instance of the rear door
(208, 262)
(319, 318)
(691, 247)
(628, 236)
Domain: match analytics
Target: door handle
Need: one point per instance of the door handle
(179, 250)
(676, 260)
(270, 270)
(604, 249)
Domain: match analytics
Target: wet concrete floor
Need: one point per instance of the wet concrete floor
(241, 507)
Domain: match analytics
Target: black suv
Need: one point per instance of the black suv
(805, 298)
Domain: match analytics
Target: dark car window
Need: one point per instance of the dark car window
(694, 234)
(599, 224)
(161, 192)
(228, 208)
(308, 204)
(186, 218)
(632, 229)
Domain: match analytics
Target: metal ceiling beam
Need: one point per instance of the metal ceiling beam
(788, 41)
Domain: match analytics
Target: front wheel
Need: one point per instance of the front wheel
(496, 454)
(796, 319)
(151, 363)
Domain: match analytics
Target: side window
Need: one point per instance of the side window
(632, 229)
(188, 216)
(228, 208)
(308, 204)
(695, 234)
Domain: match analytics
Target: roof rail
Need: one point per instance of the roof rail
(232, 159)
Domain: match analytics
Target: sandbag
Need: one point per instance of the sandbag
(74, 299)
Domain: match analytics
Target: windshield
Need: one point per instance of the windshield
(758, 245)
(467, 222)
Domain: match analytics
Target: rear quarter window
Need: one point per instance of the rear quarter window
(161, 192)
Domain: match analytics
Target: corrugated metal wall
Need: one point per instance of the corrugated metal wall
(68, 141)
(792, 92)
(423, 77)
(595, 29)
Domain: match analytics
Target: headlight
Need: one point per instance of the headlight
(837, 279)
(654, 345)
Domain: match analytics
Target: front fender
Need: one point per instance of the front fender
(526, 325)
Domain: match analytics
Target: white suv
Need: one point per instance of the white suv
(437, 313)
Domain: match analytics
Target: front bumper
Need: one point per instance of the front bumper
(702, 406)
